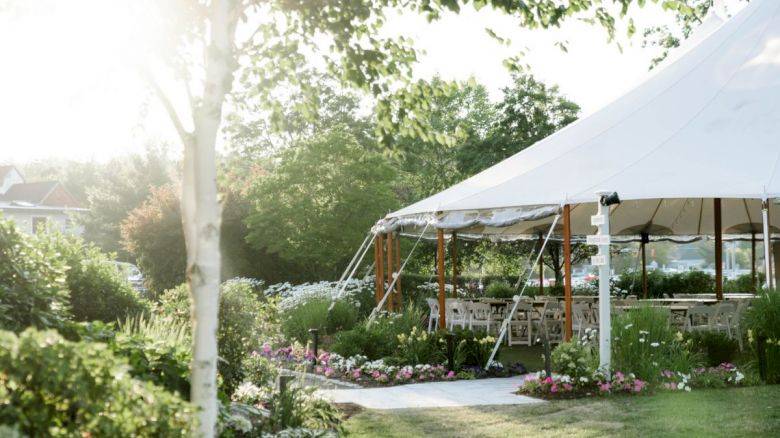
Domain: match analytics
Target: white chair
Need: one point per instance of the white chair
(721, 318)
(433, 317)
(581, 318)
(481, 315)
(520, 330)
(736, 320)
(457, 312)
(551, 322)
(698, 318)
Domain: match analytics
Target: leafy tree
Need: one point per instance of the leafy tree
(152, 234)
(529, 112)
(462, 115)
(122, 185)
(314, 208)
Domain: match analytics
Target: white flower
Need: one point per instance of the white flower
(680, 385)
(687, 388)
(654, 344)
(739, 377)
(644, 332)
(584, 379)
(629, 326)
(642, 340)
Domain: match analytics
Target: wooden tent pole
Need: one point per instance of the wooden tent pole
(377, 275)
(390, 270)
(541, 265)
(440, 269)
(753, 261)
(718, 251)
(398, 266)
(454, 264)
(380, 263)
(567, 267)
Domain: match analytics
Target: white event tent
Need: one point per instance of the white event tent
(693, 150)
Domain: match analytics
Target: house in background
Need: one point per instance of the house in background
(34, 206)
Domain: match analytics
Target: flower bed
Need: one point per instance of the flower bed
(565, 387)
(360, 369)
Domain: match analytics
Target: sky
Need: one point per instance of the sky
(66, 91)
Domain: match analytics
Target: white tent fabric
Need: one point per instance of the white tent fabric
(705, 125)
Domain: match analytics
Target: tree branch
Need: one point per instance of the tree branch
(185, 135)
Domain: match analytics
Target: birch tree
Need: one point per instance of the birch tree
(273, 44)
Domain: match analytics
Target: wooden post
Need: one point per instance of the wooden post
(567, 268)
(645, 240)
(390, 270)
(440, 268)
(398, 266)
(454, 265)
(541, 265)
(753, 262)
(718, 251)
(380, 262)
(377, 271)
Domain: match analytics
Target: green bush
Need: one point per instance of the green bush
(500, 290)
(240, 316)
(259, 370)
(33, 288)
(472, 348)
(574, 358)
(313, 314)
(97, 289)
(381, 339)
(660, 284)
(644, 343)
(716, 347)
(743, 283)
(420, 347)
(762, 320)
(53, 387)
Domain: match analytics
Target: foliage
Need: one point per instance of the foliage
(744, 283)
(116, 188)
(762, 320)
(529, 112)
(500, 290)
(241, 314)
(359, 293)
(660, 284)
(153, 235)
(98, 291)
(298, 407)
(474, 349)
(315, 314)
(33, 287)
(716, 347)
(576, 358)
(259, 370)
(53, 387)
(381, 338)
(327, 189)
(420, 347)
(645, 343)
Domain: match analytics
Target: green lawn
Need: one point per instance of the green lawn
(741, 412)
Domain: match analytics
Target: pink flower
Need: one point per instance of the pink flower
(329, 371)
(604, 387)
(267, 349)
(324, 357)
(375, 374)
(554, 388)
(619, 376)
(548, 381)
(356, 373)
(318, 369)
(451, 375)
(567, 387)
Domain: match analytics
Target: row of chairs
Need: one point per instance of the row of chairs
(723, 317)
(463, 314)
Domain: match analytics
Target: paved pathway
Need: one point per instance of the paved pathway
(496, 391)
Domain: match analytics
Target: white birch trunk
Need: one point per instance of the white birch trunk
(201, 212)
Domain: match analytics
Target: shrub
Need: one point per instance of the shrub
(762, 320)
(644, 343)
(716, 347)
(239, 317)
(97, 289)
(473, 349)
(500, 289)
(33, 290)
(575, 359)
(53, 387)
(314, 314)
(420, 347)
(260, 370)
(744, 283)
(381, 338)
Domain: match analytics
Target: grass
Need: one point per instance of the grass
(743, 412)
(531, 357)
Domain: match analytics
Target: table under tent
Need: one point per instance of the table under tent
(694, 150)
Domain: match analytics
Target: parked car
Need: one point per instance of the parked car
(133, 275)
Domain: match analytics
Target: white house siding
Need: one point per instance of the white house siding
(64, 221)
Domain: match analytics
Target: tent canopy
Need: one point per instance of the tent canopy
(704, 125)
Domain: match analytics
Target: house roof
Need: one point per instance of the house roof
(37, 193)
(5, 170)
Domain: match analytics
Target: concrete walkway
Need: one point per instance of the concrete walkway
(496, 391)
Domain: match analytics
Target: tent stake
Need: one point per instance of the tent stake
(567, 267)
(718, 251)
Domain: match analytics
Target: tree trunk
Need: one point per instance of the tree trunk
(201, 213)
